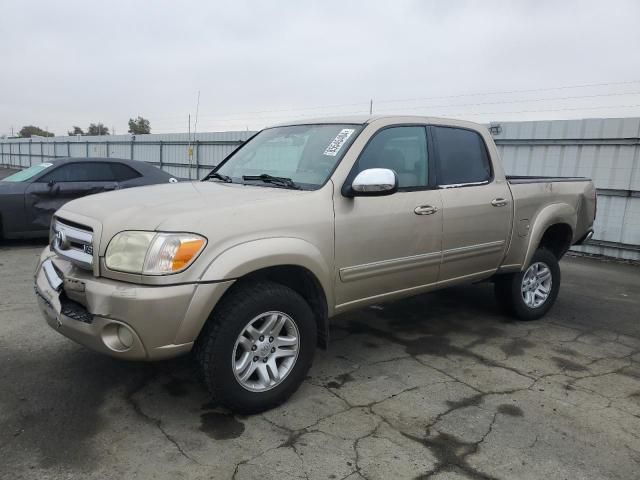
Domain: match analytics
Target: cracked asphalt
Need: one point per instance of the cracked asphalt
(439, 386)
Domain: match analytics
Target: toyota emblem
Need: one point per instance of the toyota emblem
(61, 240)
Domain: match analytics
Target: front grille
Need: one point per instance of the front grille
(69, 308)
(74, 310)
(73, 242)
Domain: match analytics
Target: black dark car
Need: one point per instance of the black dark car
(29, 198)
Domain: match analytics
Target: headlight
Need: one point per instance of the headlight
(151, 253)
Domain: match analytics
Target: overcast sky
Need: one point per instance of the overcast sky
(259, 62)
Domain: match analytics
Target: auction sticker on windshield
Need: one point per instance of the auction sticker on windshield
(336, 144)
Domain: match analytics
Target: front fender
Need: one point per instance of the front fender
(254, 255)
(549, 215)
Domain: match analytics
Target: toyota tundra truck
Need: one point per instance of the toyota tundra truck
(304, 221)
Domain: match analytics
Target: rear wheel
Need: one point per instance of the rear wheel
(257, 347)
(530, 294)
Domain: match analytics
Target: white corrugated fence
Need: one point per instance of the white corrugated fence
(605, 149)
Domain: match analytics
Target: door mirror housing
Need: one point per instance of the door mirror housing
(373, 182)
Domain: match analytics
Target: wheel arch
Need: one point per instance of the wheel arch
(553, 229)
(557, 238)
(292, 262)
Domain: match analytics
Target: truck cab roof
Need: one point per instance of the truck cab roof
(366, 119)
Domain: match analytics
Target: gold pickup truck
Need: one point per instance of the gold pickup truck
(304, 221)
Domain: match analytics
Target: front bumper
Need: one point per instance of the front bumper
(120, 319)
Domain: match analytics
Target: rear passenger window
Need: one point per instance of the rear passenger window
(402, 149)
(462, 156)
(123, 172)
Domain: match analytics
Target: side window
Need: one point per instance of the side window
(123, 172)
(402, 149)
(81, 172)
(60, 174)
(462, 156)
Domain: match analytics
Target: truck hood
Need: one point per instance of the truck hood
(176, 206)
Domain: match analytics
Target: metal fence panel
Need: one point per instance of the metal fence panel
(604, 149)
(146, 153)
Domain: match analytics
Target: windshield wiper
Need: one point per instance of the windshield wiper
(281, 181)
(219, 176)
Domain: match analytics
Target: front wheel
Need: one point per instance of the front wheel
(530, 294)
(257, 348)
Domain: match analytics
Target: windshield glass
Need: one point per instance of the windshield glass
(306, 154)
(25, 175)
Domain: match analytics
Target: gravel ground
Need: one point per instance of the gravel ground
(437, 386)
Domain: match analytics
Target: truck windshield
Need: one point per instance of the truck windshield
(25, 175)
(304, 154)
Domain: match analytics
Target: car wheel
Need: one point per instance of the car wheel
(257, 347)
(530, 294)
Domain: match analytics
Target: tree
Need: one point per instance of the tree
(97, 129)
(75, 131)
(139, 126)
(29, 130)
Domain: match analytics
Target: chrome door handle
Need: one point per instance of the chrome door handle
(499, 202)
(425, 210)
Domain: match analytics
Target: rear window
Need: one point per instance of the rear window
(462, 156)
(123, 172)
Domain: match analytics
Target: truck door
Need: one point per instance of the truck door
(391, 243)
(477, 207)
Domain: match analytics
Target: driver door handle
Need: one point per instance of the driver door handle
(425, 210)
(498, 202)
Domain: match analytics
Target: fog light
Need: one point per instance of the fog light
(117, 337)
(125, 336)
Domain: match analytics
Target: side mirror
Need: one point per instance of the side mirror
(51, 183)
(373, 182)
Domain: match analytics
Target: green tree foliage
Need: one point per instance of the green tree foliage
(97, 129)
(139, 126)
(75, 131)
(30, 130)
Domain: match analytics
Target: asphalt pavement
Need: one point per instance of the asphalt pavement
(437, 386)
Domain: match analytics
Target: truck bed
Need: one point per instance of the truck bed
(571, 197)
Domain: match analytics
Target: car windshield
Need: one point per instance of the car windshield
(24, 175)
(304, 154)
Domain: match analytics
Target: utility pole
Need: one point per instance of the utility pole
(371, 107)
(195, 130)
(195, 126)
(189, 146)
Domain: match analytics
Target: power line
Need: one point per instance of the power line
(601, 107)
(240, 127)
(508, 92)
(506, 102)
(424, 107)
(366, 104)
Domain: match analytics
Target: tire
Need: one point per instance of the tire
(516, 302)
(219, 348)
